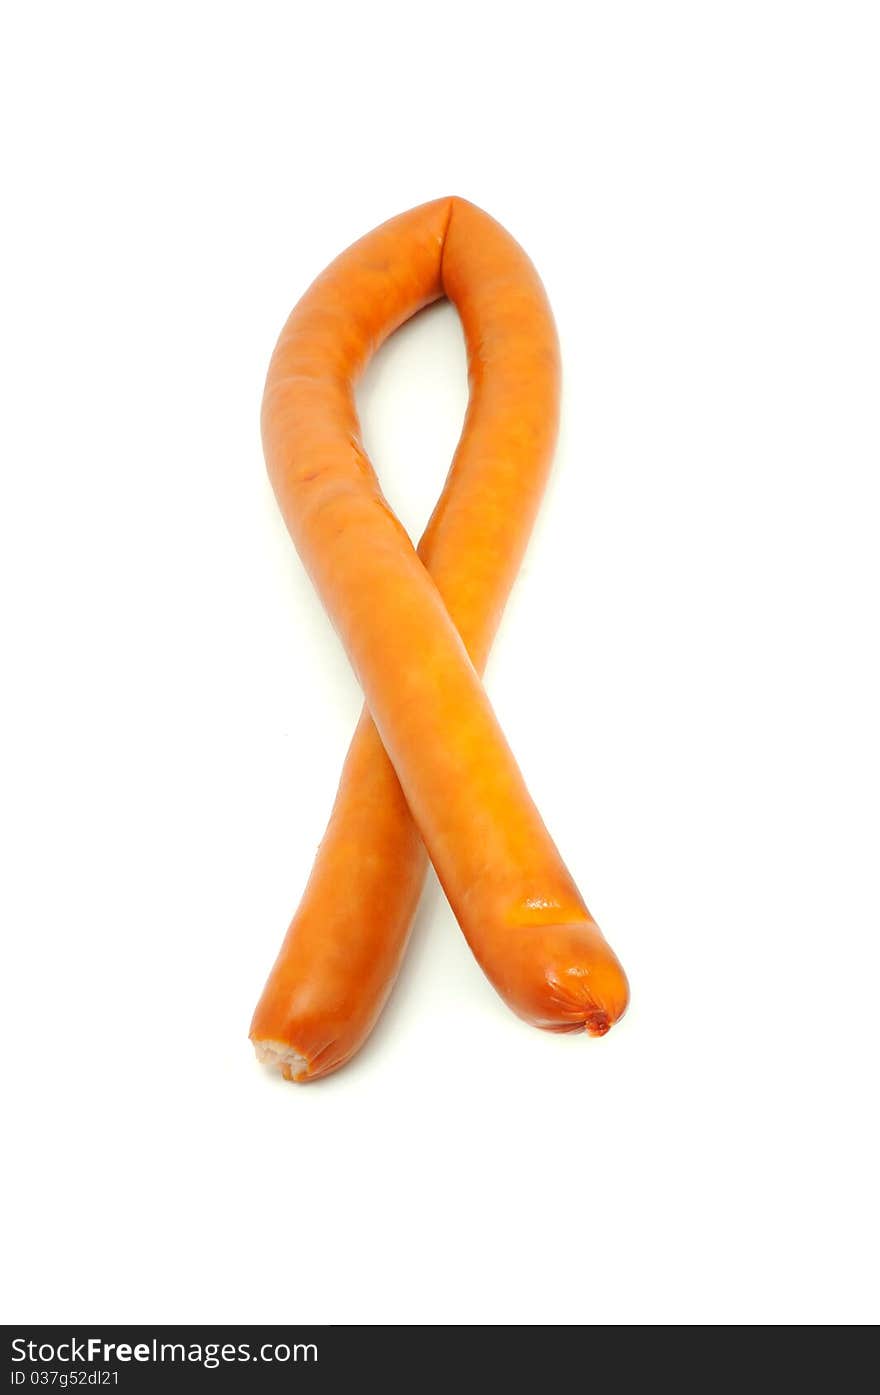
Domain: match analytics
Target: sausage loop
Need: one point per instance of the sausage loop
(428, 767)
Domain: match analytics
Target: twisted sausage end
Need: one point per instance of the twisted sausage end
(561, 978)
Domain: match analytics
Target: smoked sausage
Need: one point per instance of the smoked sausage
(429, 767)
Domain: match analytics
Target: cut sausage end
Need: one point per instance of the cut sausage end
(280, 1057)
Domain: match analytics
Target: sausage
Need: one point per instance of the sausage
(417, 629)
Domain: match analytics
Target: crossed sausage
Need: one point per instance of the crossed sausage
(429, 767)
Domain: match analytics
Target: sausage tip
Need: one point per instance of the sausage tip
(597, 1024)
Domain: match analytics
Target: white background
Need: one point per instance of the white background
(688, 669)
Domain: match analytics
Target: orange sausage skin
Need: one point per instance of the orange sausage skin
(417, 642)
